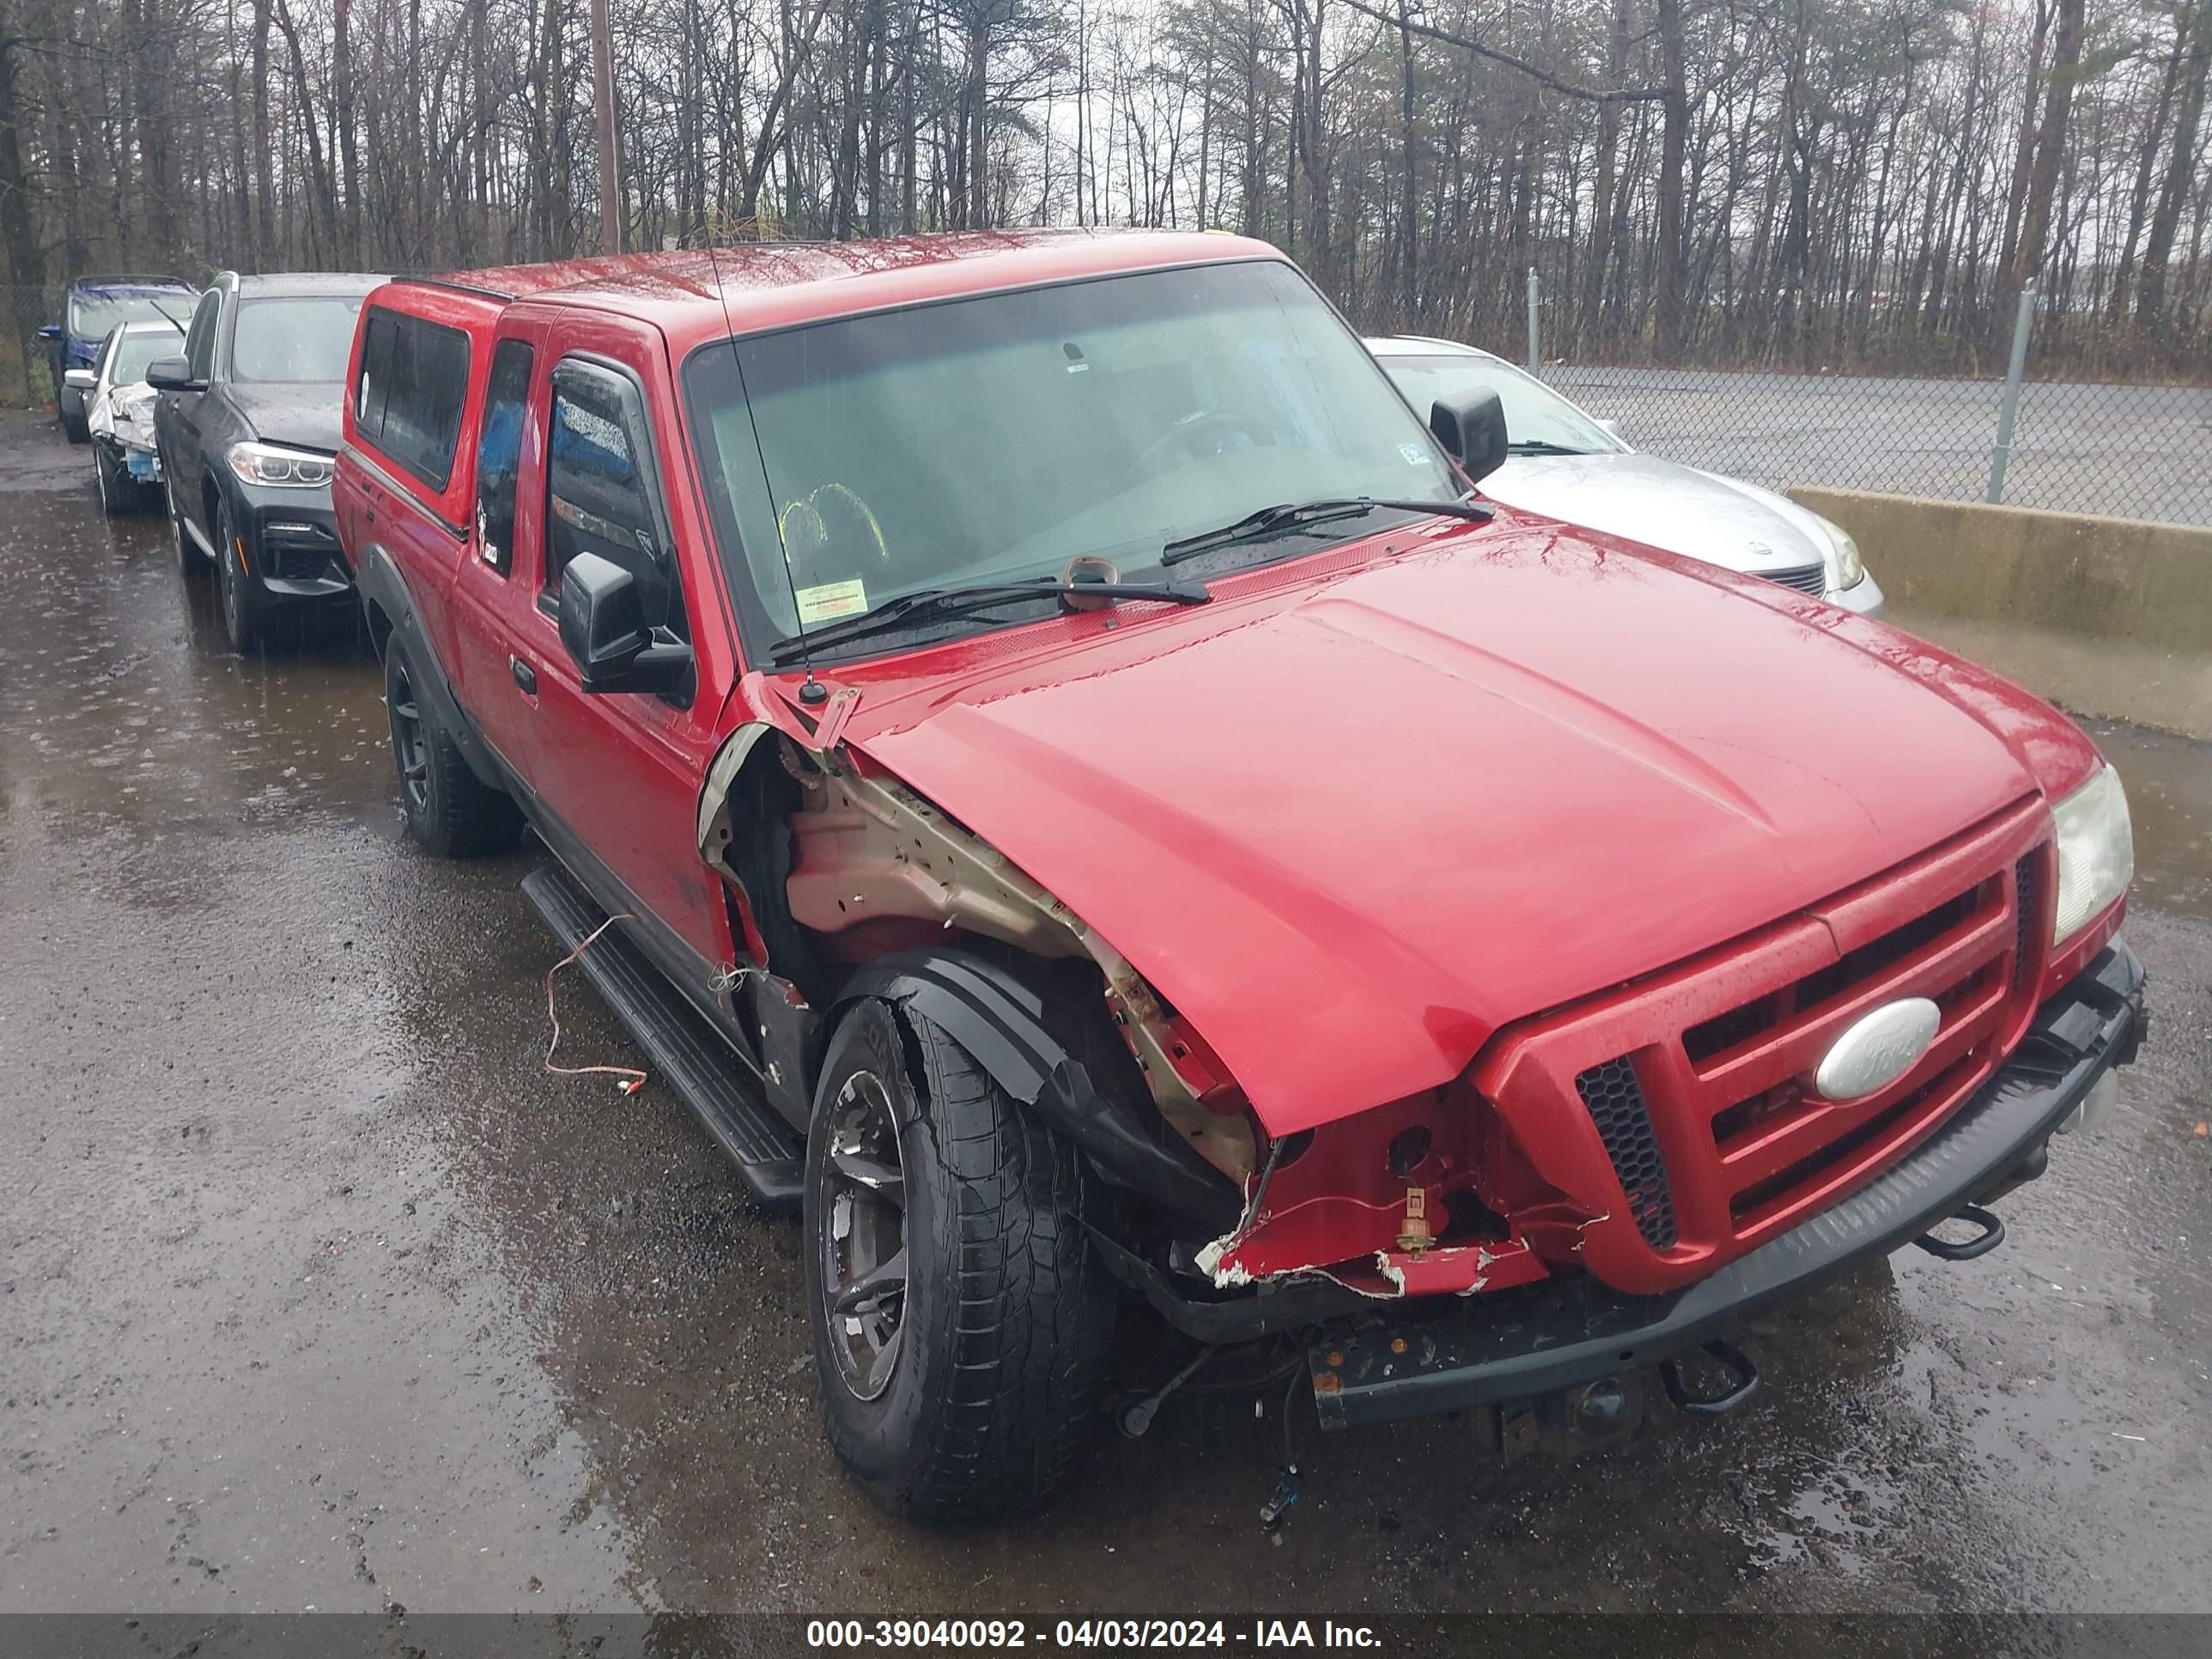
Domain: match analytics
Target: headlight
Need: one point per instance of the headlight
(2096, 852)
(1850, 569)
(277, 467)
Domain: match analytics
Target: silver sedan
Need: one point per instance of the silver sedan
(1568, 464)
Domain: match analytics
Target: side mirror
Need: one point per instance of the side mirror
(83, 380)
(51, 332)
(1471, 429)
(173, 375)
(604, 630)
(1610, 426)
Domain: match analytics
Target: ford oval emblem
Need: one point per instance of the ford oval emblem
(1878, 1049)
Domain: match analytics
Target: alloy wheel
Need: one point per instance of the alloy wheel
(410, 744)
(860, 1223)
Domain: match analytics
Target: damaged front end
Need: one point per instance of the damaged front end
(844, 883)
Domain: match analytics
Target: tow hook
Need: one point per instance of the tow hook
(1991, 1236)
(1734, 1360)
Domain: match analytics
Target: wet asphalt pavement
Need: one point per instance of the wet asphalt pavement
(316, 1291)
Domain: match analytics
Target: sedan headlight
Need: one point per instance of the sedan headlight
(279, 468)
(1850, 569)
(2096, 852)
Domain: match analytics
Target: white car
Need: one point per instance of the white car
(118, 409)
(1568, 464)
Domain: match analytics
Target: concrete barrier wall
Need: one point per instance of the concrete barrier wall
(2104, 616)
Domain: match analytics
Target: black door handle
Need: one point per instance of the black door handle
(525, 675)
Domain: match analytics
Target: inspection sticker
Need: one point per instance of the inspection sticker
(830, 600)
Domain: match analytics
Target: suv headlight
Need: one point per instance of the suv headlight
(277, 467)
(2096, 852)
(1850, 569)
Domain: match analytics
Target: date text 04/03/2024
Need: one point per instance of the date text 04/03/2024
(1004, 1633)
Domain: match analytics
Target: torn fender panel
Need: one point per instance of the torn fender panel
(871, 862)
(1446, 1270)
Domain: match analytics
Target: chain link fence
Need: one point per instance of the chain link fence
(25, 381)
(2136, 451)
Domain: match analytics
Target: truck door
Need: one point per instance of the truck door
(618, 774)
(496, 587)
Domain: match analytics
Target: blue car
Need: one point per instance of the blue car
(91, 307)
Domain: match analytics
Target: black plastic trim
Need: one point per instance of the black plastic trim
(1276, 1306)
(1001, 1021)
(1522, 1343)
(381, 584)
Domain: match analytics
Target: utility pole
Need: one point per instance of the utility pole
(602, 90)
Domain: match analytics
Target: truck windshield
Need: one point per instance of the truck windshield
(995, 438)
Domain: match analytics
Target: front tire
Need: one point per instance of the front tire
(239, 592)
(962, 1315)
(72, 422)
(449, 808)
(187, 552)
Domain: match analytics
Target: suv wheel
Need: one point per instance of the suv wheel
(241, 610)
(961, 1317)
(72, 424)
(189, 560)
(449, 808)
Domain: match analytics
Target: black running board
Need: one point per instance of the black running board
(681, 1048)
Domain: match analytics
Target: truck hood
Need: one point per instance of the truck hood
(308, 416)
(1352, 827)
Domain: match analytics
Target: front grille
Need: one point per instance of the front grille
(1805, 578)
(299, 552)
(1699, 1079)
(1615, 1100)
(2024, 884)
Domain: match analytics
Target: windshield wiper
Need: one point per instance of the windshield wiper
(1538, 446)
(1291, 515)
(932, 604)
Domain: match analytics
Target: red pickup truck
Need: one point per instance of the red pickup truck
(1103, 817)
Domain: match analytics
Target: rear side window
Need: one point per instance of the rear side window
(601, 492)
(408, 393)
(499, 452)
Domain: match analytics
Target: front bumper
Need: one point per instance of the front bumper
(135, 455)
(1516, 1344)
(292, 544)
(1864, 598)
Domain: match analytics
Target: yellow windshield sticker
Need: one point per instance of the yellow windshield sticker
(830, 600)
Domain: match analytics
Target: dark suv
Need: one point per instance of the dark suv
(246, 428)
(92, 308)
